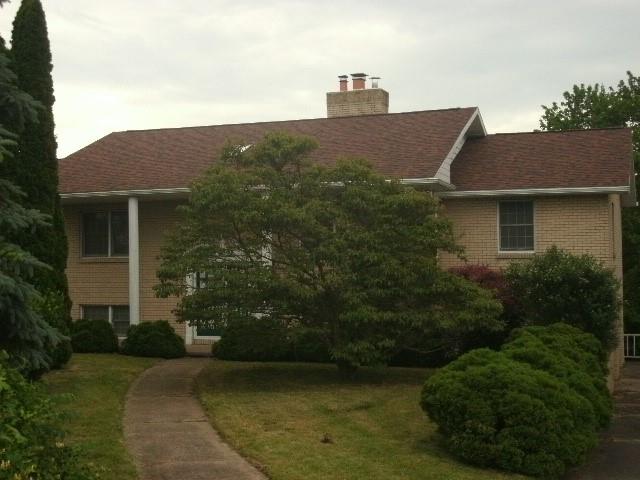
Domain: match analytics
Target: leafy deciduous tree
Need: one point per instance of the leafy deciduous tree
(597, 106)
(339, 249)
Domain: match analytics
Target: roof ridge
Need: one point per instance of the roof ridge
(569, 130)
(294, 120)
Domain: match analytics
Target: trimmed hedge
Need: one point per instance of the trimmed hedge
(534, 407)
(269, 340)
(153, 339)
(31, 443)
(571, 356)
(259, 339)
(93, 336)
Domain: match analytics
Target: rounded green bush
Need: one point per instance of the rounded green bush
(258, 339)
(61, 354)
(93, 336)
(153, 339)
(568, 354)
(31, 444)
(498, 412)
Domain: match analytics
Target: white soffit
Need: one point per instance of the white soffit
(473, 128)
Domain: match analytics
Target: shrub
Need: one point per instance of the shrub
(257, 339)
(559, 287)
(153, 339)
(52, 308)
(498, 412)
(93, 336)
(308, 345)
(495, 281)
(31, 445)
(571, 356)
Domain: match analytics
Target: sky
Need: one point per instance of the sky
(136, 64)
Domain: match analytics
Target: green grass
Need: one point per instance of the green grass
(90, 391)
(277, 414)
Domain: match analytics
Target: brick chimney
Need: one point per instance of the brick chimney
(360, 100)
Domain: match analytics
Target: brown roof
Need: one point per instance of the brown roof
(407, 145)
(586, 158)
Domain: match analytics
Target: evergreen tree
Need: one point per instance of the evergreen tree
(23, 332)
(34, 166)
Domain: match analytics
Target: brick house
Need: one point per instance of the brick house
(508, 195)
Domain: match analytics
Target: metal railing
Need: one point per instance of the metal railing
(632, 345)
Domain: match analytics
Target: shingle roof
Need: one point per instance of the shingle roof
(585, 158)
(406, 145)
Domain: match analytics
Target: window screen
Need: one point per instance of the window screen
(516, 226)
(95, 234)
(105, 234)
(120, 319)
(119, 233)
(95, 312)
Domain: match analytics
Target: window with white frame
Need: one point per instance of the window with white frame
(515, 219)
(105, 234)
(116, 315)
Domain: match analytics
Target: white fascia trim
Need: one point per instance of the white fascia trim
(126, 193)
(444, 172)
(427, 181)
(535, 191)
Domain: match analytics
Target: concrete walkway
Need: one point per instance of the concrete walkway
(618, 455)
(167, 431)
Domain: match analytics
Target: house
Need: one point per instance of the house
(508, 195)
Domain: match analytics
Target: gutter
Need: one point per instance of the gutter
(160, 192)
(535, 191)
(444, 190)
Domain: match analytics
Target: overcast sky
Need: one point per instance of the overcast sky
(133, 64)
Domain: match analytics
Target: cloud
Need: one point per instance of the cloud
(152, 63)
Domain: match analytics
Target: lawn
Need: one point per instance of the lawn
(304, 421)
(91, 392)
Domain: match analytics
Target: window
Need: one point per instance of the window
(116, 315)
(516, 226)
(199, 280)
(120, 319)
(95, 312)
(105, 234)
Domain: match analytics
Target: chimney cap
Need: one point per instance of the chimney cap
(343, 77)
(359, 75)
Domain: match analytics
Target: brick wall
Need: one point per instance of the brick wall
(579, 224)
(93, 281)
(156, 220)
(357, 102)
(105, 281)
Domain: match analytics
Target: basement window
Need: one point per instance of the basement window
(105, 234)
(116, 315)
(515, 220)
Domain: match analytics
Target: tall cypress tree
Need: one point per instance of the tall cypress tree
(24, 334)
(34, 166)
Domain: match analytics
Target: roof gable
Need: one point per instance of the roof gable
(537, 160)
(409, 145)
